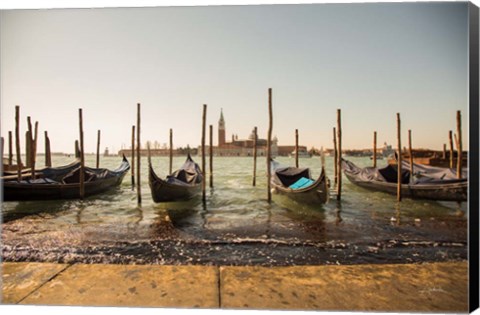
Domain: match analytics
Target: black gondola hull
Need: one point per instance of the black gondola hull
(15, 192)
(163, 191)
(24, 191)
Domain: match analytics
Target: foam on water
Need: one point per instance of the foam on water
(235, 226)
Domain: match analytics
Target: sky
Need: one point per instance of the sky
(369, 60)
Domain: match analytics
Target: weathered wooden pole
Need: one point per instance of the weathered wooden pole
(269, 144)
(335, 157)
(29, 143)
(296, 148)
(211, 156)
(204, 122)
(29, 123)
(410, 152)
(98, 148)
(339, 167)
(450, 139)
(48, 153)
(254, 156)
(132, 170)
(170, 169)
(2, 143)
(444, 156)
(457, 145)
(460, 146)
(374, 149)
(399, 160)
(139, 189)
(17, 142)
(28, 149)
(10, 150)
(34, 150)
(77, 149)
(82, 156)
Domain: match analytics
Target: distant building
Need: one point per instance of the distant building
(387, 150)
(245, 147)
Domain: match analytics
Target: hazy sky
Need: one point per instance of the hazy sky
(370, 60)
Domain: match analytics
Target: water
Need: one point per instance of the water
(236, 225)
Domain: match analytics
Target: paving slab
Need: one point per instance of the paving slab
(21, 279)
(433, 287)
(131, 285)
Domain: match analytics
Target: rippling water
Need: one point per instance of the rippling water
(235, 226)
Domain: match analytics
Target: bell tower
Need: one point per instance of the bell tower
(221, 129)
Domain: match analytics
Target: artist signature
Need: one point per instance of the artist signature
(434, 289)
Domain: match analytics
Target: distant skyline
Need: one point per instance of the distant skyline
(370, 60)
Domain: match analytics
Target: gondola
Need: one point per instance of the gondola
(54, 183)
(183, 184)
(297, 184)
(10, 172)
(432, 183)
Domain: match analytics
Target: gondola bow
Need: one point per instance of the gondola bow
(183, 184)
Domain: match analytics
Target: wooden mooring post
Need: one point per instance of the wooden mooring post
(2, 144)
(82, 156)
(455, 140)
(269, 145)
(204, 122)
(410, 153)
(34, 150)
(98, 149)
(296, 148)
(31, 141)
(28, 148)
(211, 156)
(10, 149)
(77, 149)
(17, 142)
(254, 182)
(28, 143)
(48, 152)
(139, 188)
(374, 149)
(132, 169)
(170, 168)
(399, 160)
(335, 157)
(339, 167)
(444, 156)
(450, 139)
(459, 146)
